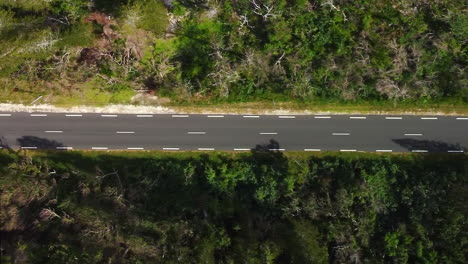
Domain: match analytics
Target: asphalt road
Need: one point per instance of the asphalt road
(234, 132)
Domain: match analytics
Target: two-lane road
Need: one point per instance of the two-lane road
(234, 132)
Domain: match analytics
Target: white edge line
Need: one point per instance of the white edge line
(357, 117)
(171, 148)
(287, 117)
(250, 116)
(394, 117)
(419, 150)
(456, 151)
(65, 148)
(429, 118)
(53, 131)
(38, 115)
(99, 148)
(144, 115)
(180, 116)
(281, 149)
(73, 115)
(135, 148)
(28, 147)
(384, 150)
(109, 115)
(215, 116)
(242, 149)
(348, 150)
(462, 118)
(312, 150)
(322, 117)
(4, 115)
(206, 149)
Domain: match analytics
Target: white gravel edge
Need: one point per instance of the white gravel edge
(136, 109)
(117, 109)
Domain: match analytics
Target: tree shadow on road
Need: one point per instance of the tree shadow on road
(429, 145)
(271, 147)
(269, 152)
(4, 143)
(39, 143)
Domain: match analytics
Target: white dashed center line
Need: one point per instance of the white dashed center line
(108, 115)
(171, 148)
(384, 150)
(415, 135)
(268, 133)
(38, 115)
(357, 117)
(135, 148)
(144, 115)
(341, 134)
(99, 148)
(73, 115)
(429, 118)
(250, 116)
(206, 149)
(393, 117)
(287, 117)
(419, 150)
(215, 116)
(180, 116)
(196, 133)
(322, 117)
(125, 132)
(311, 149)
(53, 131)
(5, 115)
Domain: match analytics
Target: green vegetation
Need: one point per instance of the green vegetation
(258, 207)
(366, 52)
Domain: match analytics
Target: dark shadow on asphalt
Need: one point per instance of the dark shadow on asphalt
(429, 145)
(4, 143)
(39, 143)
(272, 146)
(269, 154)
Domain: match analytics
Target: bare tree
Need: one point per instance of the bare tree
(223, 76)
(332, 5)
(262, 10)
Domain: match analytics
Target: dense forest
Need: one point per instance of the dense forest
(102, 51)
(257, 207)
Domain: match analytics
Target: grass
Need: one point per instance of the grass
(334, 106)
(87, 158)
(89, 93)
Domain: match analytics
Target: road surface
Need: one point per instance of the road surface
(345, 133)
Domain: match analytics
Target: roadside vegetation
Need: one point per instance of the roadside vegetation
(380, 53)
(257, 207)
